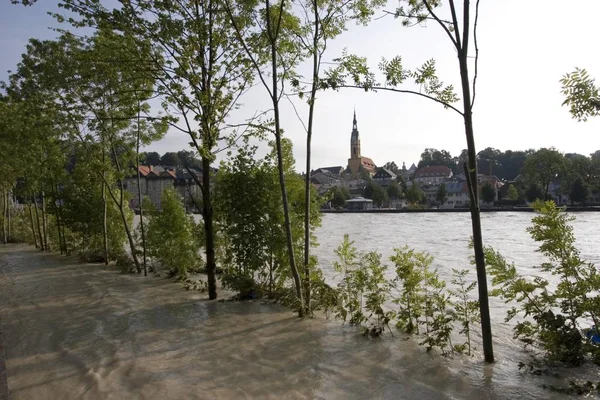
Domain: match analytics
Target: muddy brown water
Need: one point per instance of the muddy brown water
(84, 331)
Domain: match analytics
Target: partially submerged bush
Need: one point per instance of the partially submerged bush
(552, 317)
(171, 235)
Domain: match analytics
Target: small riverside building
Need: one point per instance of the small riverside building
(359, 204)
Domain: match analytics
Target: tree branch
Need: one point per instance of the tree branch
(375, 88)
(441, 23)
(476, 51)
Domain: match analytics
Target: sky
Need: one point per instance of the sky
(525, 48)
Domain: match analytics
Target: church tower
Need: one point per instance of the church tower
(357, 163)
(354, 140)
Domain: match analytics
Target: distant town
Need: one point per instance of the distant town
(437, 181)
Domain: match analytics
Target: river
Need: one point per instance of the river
(75, 330)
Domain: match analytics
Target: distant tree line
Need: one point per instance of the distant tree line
(182, 158)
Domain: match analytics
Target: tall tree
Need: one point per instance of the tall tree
(273, 52)
(462, 34)
(321, 21)
(543, 167)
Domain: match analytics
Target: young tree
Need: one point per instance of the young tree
(462, 33)
(513, 193)
(414, 194)
(339, 196)
(171, 235)
(442, 194)
(320, 22)
(273, 52)
(394, 191)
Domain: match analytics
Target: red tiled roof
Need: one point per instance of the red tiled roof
(433, 170)
(367, 163)
(145, 170)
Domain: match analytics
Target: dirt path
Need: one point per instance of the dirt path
(83, 331)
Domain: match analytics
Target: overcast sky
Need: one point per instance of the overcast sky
(525, 48)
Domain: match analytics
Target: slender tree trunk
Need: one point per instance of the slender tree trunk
(127, 230)
(44, 222)
(104, 211)
(140, 202)
(484, 308)
(8, 215)
(284, 198)
(4, 212)
(33, 234)
(207, 213)
(60, 215)
(309, 132)
(58, 226)
(39, 228)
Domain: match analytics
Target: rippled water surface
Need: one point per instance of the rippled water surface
(75, 330)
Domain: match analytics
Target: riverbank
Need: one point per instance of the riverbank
(84, 331)
(452, 210)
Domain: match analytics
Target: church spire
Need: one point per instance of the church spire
(354, 139)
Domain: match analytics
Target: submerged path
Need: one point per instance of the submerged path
(84, 331)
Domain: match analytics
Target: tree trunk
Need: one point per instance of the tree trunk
(140, 203)
(486, 327)
(284, 199)
(39, 228)
(8, 216)
(207, 213)
(44, 222)
(32, 226)
(309, 131)
(62, 229)
(58, 226)
(127, 230)
(104, 212)
(4, 209)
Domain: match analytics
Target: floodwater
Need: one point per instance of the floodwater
(75, 330)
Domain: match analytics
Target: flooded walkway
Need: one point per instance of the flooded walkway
(84, 331)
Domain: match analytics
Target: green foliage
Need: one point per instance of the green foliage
(171, 235)
(410, 272)
(375, 192)
(582, 96)
(353, 71)
(534, 192)
(488, 193)
(424, 301)
(248, 209)
(339, 195)
(554, 313)
(543, 166)
(442, 194)
(512, 193)
(394, 191)
(467, 310)
(363, 290)
(415, 194)
(579, 191)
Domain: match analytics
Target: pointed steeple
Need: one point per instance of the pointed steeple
(354, 139)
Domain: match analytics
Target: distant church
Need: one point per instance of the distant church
(357, 164)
